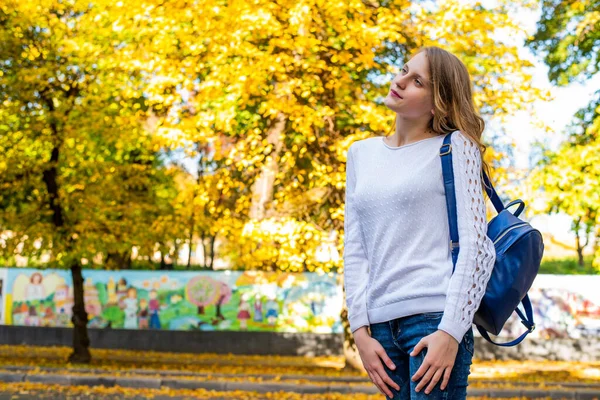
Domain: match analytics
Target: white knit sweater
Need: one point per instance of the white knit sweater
(397, 257)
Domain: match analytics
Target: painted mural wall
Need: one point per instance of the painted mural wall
(178, 300)
(564, 306)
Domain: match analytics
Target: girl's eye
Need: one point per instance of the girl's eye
(416, 79)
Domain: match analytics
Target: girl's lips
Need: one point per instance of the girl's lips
(396, 94)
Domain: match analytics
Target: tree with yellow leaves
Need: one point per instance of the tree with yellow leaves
(289, 86)
(78, 172)
(568, 37)
(277, 90)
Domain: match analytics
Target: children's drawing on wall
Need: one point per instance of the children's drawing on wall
(243, 313)
(563, 307)
(143, 314)
(3, 274)
(131, 308)
(1, 301)
(121, 293)
(154, 307)
(179, 300)
(258, 313)
(224, 296)
(35, 290)
(63, 304)
(38, 297)
(272, 311)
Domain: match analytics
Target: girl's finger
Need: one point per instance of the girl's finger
(372, 378)
(446, 379)
(421, 371)
(434, 381)
(382, 386)
(426, 378)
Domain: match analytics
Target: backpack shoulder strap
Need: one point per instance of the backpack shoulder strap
(448, 173)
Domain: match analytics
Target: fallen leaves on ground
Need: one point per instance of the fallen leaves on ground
(119, 392)
(125, 363)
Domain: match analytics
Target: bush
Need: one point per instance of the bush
(568, 266)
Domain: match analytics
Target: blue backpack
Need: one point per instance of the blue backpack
(519, 249)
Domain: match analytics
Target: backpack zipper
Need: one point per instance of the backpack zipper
(508, 230)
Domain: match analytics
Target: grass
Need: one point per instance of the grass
(568, 266)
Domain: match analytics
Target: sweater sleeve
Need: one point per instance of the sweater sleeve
(476, 254)
(356, 274)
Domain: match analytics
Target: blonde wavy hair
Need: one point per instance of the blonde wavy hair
(453, 101)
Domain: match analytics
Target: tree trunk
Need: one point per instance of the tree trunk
(219, 314)
(262, 189)
(212, 251)
(579, 252)
(189, 262)
(175, 255)
(578, 246)
(163, 264)
(193, 216)
(81, 340)
(200, 310)
(118, 260)
(204, 252)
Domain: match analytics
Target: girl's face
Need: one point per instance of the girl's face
(412, 84)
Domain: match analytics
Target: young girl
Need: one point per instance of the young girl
(410, 317)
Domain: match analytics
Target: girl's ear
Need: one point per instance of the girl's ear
(432, 112)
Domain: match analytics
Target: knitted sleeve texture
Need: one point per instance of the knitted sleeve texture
(477, 254)
(356, 272)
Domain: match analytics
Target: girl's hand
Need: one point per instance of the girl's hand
(441, 354)
(372, 353)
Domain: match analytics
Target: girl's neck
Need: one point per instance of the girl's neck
(403, 137)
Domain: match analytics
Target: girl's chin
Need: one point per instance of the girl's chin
(393, 103)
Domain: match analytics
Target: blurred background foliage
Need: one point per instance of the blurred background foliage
(132, 132)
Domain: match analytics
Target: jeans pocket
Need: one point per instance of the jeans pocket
(468, 342)
(433, 315)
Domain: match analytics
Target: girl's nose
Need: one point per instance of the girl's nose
(400, 84)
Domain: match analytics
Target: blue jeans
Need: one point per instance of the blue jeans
(399, 336)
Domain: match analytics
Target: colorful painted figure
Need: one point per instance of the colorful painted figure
(32, 319)
(243, 314)
(63, 301)
(258, 314)
(63, 319)
(143, 314)
(154, 306)
(111, 289)
(121, 291)
(272, 311)
(35, 289)
(131, 307)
